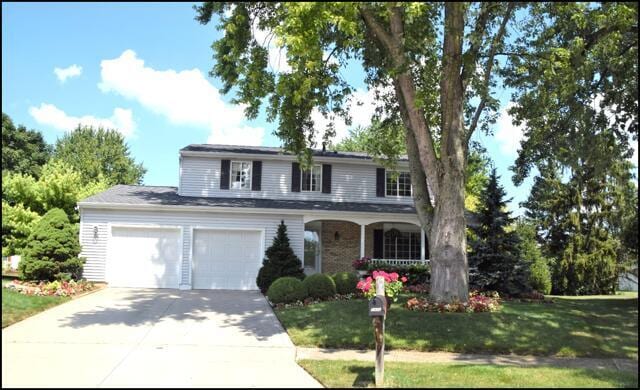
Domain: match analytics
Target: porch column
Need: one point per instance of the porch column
(422, 246)
(361, 240)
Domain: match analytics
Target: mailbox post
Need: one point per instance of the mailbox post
(378, 312)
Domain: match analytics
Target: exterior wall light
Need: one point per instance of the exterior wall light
(95, 233)
(336, 236)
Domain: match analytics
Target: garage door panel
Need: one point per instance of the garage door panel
(144, 257)
(226, 259)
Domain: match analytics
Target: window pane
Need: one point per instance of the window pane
(404, 184)
(392, 186)
(240, 175)
(311, 179)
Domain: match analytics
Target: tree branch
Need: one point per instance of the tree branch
(376, 28)
(471, 56)
(497, 40)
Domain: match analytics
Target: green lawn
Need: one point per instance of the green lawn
(16, 307)
(581, 326)
(338, 373)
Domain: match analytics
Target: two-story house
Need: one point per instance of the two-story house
(211, 232)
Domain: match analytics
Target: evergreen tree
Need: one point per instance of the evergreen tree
(494, 261)
(52, 249)
(280, 261)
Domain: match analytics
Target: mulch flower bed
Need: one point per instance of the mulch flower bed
(478, 302)
(57, 288)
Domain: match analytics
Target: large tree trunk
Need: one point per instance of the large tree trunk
(449, 269)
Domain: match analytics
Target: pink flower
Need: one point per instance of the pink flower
(403, 279)
(394, 276)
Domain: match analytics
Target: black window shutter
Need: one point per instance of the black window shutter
(225, 167)
(380, 182)
(378, 243)
(295, 177)
(256, 176)
(326, 178)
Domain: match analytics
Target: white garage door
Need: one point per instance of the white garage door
(144, 257)
(226, 259)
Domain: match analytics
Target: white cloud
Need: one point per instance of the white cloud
(49, 114)
(184, 97)
(66, 73)
(361, 115)
(507, 134)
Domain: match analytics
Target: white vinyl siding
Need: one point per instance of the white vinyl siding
(349, 182)
(95, 249)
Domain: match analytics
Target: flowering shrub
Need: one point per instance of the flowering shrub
(478, 302)
(392, 285)
(62, 289)
(361, 264)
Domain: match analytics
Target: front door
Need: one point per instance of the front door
(311, 250)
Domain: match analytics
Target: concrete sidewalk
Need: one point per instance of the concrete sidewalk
(463, 358)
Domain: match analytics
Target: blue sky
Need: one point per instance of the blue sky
(143, 67)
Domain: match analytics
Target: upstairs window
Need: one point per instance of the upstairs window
(240, 175)
(311, 179)
(399, 185)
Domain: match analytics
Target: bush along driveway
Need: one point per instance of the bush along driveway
(602, 326)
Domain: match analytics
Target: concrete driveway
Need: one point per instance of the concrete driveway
(153, 338)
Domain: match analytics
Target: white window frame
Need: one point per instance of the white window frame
(319, 186)
(248, 178)
(386, 177)
(395, 245)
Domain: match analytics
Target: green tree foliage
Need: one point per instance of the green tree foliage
(286, 290)
(279, 261)
(23, 151)
(17, 224)
(97, 154)
(575, 78)
(59, 186)
(52, 249)
(580, 221)
(495, 262)
(531, 254)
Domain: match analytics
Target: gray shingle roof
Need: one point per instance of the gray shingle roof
(268, 150)
(143, 195)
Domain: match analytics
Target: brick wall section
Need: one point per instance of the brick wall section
(338, 255)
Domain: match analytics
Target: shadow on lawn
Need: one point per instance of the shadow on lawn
(247, 310)
(364, 376)
(584, 327)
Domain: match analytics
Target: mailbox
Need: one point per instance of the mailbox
(377, 306)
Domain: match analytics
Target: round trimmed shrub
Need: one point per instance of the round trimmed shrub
(345, 282)
(320, 286)
(52, 248)
(286, 289)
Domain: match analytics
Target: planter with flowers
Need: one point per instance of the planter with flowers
(362, 266)
(392, 285)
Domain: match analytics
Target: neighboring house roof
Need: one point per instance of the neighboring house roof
(168, 196)
(274, 151)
